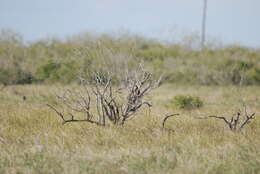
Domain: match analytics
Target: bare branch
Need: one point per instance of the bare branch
(59, 113)
(248, 118)
(108, 103)
(83, 120)
(234, 122)
(221, 117)
(166, 118)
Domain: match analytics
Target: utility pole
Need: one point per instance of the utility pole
(203, 30)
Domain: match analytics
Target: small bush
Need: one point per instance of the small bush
(253, 76)
(187, 102)
(4, 76)
(15, 76)
(48, 70)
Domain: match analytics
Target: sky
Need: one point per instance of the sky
(228, 21)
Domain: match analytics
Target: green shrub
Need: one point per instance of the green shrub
(64, 72)
(24, 78)
(48, 70)
(253, 76)
(15, 76)
(5, 76)
(187, 102)
(68, 72)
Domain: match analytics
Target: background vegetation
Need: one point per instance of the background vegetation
(61, 60)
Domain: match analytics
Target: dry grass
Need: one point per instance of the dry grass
(33, 140)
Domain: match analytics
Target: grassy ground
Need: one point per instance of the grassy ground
(33, 140)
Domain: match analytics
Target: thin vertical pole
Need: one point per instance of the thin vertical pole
(203, 31)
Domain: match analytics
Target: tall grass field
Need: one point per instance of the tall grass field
(33, 140)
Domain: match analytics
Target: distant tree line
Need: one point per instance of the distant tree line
(62, 61)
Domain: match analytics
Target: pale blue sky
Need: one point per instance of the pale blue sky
(232, 21)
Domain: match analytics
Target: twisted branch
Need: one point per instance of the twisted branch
(166, 118)
(234, 123)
